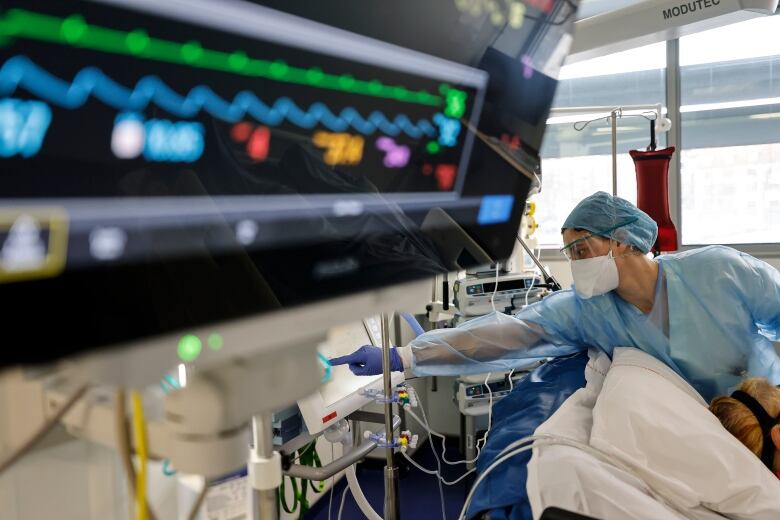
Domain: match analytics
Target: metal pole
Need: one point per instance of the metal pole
(674, 137)
(547, 276)
(392, 498)
(262, 428)
(614, 152)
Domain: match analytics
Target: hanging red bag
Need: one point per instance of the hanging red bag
(652, 193)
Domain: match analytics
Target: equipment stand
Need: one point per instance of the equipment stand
(392, 498)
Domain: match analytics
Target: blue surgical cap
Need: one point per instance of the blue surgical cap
(616, 218)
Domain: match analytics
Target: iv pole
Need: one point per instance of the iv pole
(662, 124)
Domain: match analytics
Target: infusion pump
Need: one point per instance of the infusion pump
(472, 295)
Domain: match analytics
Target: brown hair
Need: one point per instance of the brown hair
(739, 420)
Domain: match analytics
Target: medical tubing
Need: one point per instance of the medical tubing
(413, 323)
(555, 440)
(490, 414)
(437, 473)
(435, 455)
(343, 499)
(360, 498)
(495, 289)
(424, 424)
(438, 480)
(530, 287)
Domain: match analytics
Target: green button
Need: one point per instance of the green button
(189, 348)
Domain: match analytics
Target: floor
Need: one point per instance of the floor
(419, 492)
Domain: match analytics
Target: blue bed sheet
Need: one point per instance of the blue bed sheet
(502, 495)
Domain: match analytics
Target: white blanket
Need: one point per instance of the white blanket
(642, 414)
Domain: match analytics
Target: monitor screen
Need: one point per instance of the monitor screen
(169, 164)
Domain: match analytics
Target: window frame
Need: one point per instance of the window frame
(674, 138)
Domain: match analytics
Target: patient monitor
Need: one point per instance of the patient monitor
(343, 393)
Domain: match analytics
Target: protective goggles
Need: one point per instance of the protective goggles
(590, 245)
(765, 421)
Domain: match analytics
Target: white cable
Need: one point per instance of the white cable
(530, 287)
(332, 481)
(424, 423)
(442, 480)
(554, 440)
(495, 288)
(343, 498)
(442, 437)
(439, 480)
(490, 414)
(511, 383)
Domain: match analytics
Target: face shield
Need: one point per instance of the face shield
(588, 246)
(593, 244)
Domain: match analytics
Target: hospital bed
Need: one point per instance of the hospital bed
(661, 453)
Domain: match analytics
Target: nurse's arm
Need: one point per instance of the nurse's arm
(486, 344)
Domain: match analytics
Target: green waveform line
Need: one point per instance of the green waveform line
(76, 32)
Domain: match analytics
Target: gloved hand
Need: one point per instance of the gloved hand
(367, 361)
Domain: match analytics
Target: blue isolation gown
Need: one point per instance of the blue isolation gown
(723, 314)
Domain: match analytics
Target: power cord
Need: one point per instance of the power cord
(495, 289)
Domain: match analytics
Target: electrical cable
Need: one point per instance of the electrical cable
(530, 287)
(424, 423)
(490, 414)
(438, 480)
(495, 288)
(139, 429)
(41, 432)
(555, 440)
(438, 473)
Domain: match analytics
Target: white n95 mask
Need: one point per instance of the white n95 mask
(595, 276)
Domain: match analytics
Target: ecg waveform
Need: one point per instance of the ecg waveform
(21, 72)
(75, 31)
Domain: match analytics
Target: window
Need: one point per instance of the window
(730, 106)
(576, 164)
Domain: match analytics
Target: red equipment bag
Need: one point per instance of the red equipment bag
(652, 193)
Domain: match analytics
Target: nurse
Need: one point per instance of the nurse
(711, 314)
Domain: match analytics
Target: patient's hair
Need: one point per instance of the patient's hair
(739, 420)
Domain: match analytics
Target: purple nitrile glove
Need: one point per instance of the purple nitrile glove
(367, 361)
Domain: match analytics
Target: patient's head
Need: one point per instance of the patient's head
(751, 414)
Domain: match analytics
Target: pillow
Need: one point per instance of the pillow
(650, 418)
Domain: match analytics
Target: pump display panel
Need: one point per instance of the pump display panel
(167, 164)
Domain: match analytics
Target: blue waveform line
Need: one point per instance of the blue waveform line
(20, 71)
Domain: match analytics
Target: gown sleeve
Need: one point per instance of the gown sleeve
(762, 296)
(497, 342)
